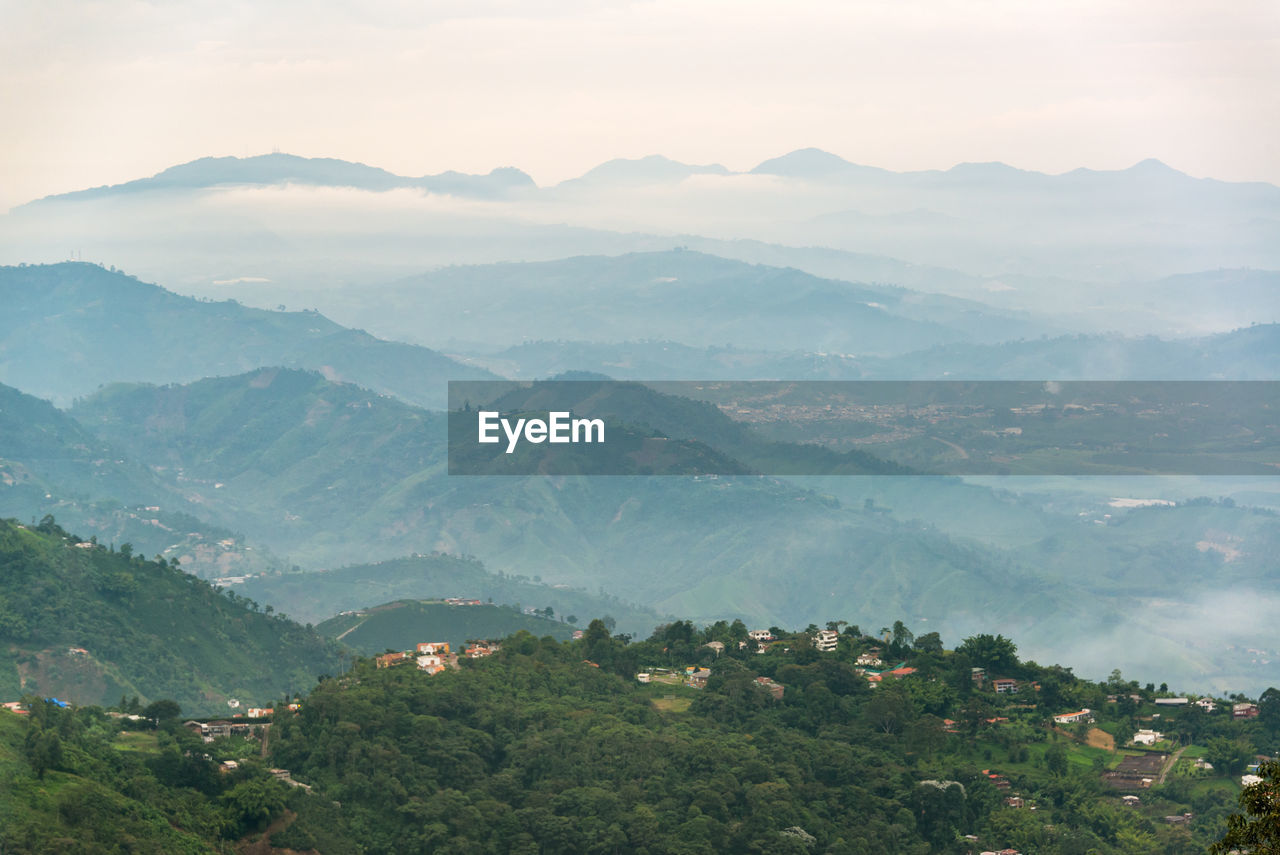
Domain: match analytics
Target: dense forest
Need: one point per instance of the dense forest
(555, 747)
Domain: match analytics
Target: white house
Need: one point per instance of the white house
(826, 640)
(1072, 718)
(1147, 737)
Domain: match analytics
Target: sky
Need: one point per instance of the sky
(102, 91)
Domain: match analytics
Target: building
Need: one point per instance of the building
(433, 648)
(1207, 704)
(1172, 702)
(480, 649)
(698, 678)
(258, 712)
(1244, 710)
(774, 688)
(760, 635)
(1005, 686)
(869, 660)
(1130, 801)
(826, 640)
(1073, 717)
(1147, 737)
(386, 660)
(643, 677)
(431, 663)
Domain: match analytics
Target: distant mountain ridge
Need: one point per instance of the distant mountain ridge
(278, 168)
(804, 164)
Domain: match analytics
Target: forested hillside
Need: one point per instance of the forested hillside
(90, 623)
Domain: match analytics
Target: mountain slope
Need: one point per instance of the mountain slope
(90, 624)
(110, 327)
(49, 464)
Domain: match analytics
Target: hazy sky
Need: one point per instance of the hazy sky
(102, 91)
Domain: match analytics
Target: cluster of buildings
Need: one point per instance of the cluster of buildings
(435, 656)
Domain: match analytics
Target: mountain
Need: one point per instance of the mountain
(110, 327)
(402, 624)
(280, 169)
(89, 624)
(814, 163)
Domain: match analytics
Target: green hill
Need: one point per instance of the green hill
(110, 327)
(402, 624)
(89, 624)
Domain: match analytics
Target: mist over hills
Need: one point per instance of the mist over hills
(974, 230)
(706, 548)
(807, 266)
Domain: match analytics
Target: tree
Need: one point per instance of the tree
(43, 750)
(1055, 759)
(995, 653)
(1257, 831)
(930, 642)
(162, 710)
(1269, 709)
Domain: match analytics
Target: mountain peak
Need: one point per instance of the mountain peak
(806, 163)
(653, 167)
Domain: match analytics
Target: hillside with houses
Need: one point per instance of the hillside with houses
(908, 746)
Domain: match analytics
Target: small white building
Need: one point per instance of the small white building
(1147, 737)
(826, 640)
